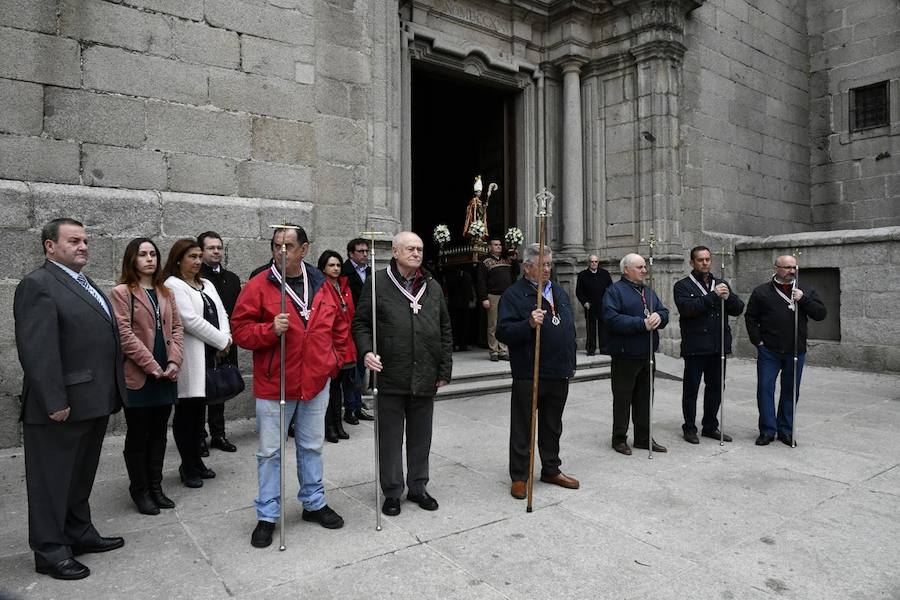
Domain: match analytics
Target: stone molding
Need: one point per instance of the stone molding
(821, 238)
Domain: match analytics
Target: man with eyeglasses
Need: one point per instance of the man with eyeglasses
(589, 289)
(770, 326)
(356, 268)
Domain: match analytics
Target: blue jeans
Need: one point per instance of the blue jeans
(768, 365)
(309, 435)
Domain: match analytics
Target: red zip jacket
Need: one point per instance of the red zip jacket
(347, 295)
(313, 352)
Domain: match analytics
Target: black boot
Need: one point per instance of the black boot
(337, 422)
(137, 475)
(155, 457)
(331, 433)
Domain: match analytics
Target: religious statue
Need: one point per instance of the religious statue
(476, 223)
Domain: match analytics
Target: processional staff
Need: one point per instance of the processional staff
(723, 318)
(796, 308)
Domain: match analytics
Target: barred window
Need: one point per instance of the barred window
(869, 106)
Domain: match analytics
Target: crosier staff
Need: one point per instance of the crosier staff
(543, 202)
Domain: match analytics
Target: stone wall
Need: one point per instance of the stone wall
(167, 118)
(855, 175)
(745, 122)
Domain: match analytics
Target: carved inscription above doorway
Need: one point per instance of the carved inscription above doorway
(463, 12)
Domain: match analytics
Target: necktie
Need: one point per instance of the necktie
(82, 280)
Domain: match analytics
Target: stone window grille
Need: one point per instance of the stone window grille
(869, 106)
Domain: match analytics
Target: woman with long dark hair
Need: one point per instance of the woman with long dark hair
(152, 341)
(344, 384)
(206, 335)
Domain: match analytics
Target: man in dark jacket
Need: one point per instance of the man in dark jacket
(699, 299)
(356, 268)
(495, 274)
(71, 358)
(633, 313)
(415, 358)
(589, 289)
(228, 285)
(770, 326)
(518, 318)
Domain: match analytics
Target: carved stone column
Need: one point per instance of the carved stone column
(572, 158)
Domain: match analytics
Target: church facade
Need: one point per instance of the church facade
(756, 128)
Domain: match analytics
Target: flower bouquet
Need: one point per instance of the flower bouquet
(441, 235)
(514, 237)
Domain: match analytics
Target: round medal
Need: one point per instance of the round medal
(555, 319)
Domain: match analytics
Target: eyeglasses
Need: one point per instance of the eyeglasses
(789, 268)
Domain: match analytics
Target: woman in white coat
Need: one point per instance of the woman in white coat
(206, 334)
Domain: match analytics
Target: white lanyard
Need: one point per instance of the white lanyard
(778, 291)
(303, 304)
(703, 290)
(413, 300)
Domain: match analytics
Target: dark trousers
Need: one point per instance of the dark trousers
(60, 464)
(342, 391)
(631, 393)
(188, 419)
(709, 368)
(768, 365)
(416, 413)
(145, 443)
(459, 317)
(552, 394)
(216, 416)
(596, 333)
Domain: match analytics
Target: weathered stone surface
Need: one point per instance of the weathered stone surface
(269, 180)
(341, 140)
(111, 166)
(279, 211)
(104, 211)
(114, 70)
(197, 42)
(38, 159)
(341, 63)
(33, 15)
(277, 59)
(15, 205)
(197, 130)
(115, 25)
(340, 27)
(189, 9)
(332, 97)
(90, 117)
(39, 58)
(23, 107)
(202, 174)
(276, 140)
(334, 184)
(262, 21)
(261, 95)
(186, 215)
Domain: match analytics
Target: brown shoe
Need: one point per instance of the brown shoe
(562, 480)
(518, 490)
(622, 448)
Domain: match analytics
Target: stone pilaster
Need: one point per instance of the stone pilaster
(572, 201)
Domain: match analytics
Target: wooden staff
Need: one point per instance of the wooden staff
(544, 201)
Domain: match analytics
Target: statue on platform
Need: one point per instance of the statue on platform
(476, 223)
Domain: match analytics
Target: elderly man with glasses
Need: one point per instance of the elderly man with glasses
(770, 326)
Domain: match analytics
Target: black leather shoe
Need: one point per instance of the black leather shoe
(424, 500)
(291, 429)
(391, 507)
(362, 415)
(331, 434)
(191, 481)
(159, 497)
(67, 568)
(262, 534)
(622, 448)
(691, 437)
(656, 447)
(716, 435)
(204, 449)
(143, 501)
(786, 439)
(350, 417)
(325, 516)
(764, 440)
(205, 472)
(104, 544)
(223, 444)
(495, 357)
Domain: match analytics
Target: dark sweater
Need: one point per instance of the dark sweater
(623, 312)
(700, 318)
(771, 322)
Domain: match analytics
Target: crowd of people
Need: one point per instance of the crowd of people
(167, 331)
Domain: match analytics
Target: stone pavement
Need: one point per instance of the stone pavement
(817, 522)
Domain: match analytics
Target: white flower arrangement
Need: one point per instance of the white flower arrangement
(514, 237)
(441, 234)
(476, 229)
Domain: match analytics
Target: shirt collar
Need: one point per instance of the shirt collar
(69, 271)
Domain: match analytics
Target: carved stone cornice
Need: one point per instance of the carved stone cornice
(659, 49)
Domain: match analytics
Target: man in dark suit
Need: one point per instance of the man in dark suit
(589, 289)
(68, 346)
(356, 268)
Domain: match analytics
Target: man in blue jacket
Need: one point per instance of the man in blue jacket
(632, 312)
(699, 300)
(517, 320)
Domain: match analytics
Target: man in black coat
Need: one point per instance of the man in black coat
(415, 358)
(356, 269)
(517, 321)
(589, 289)
(770, 327)
(228, 285)
(68, 345)
(699, 299)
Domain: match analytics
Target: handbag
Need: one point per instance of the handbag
(223, 382)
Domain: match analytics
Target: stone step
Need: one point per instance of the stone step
(472, 385)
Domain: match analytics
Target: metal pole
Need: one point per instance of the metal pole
(374, 376)
(722, 360)
(282, 390)
(651, 242)
(796, 352)
(537, 363)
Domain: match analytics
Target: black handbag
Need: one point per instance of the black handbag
(223, 382)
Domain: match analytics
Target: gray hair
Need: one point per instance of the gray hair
(628, 261)
(532, 251)
(397, 241)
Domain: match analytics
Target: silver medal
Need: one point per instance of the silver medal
(555, 319)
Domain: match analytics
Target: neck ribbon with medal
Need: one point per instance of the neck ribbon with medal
(703, 290)
(641, 292)
(790, 301)
(548, 295)
(414, 303)
(302, 304)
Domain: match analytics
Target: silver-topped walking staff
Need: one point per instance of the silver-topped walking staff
(796, 306)
(651, 242)
(723, 320)
(282, 252)
(371, 235)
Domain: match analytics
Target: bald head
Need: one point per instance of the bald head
(408, 250)
(786, 268)
(633, 267)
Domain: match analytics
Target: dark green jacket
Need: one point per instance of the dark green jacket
(416, 350)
